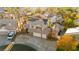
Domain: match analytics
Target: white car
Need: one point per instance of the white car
(11, 35)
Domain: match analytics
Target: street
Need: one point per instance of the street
(3, 40)
(35, 42)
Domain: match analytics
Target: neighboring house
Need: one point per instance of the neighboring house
(38, 28)
(54, 19)
(8, 25)
(73, 31)
(1, 9)
(8, 15)
(60, 19)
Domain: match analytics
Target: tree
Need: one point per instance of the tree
(69, 22)
(67, 43)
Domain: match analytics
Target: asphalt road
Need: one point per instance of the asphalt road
(35, 42)
(3, 40)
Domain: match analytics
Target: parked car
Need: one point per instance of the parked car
(11, 35)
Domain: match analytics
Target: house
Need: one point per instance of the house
(8, 15)
(73, 31)
(38, 28)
